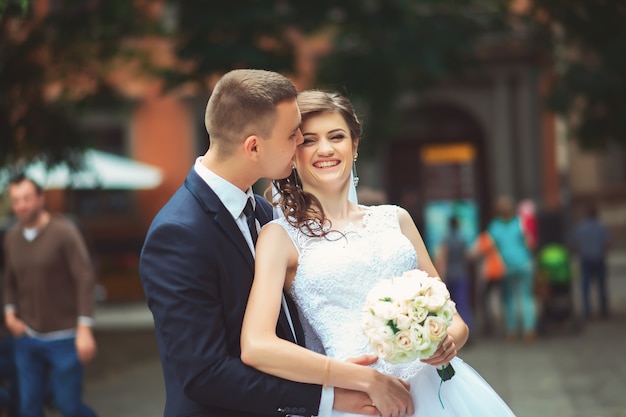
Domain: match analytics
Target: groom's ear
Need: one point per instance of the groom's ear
(251, 146)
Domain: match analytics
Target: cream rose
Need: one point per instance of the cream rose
(419, 314)
(436, 328)
(383, 348)
(403, 322)
(447, 311)
(406, 317)
(403, 340)
(421, 341)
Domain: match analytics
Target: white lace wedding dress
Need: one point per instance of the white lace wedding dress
(331, 283)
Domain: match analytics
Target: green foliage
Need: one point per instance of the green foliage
(67, 51)
(384, 52)
(217, 36)
(389, 50)
(382, 49)
(587, 39)
(5, 4)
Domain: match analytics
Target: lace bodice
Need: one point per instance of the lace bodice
(335, 274)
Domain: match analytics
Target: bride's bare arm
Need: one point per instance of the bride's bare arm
(458, 330)
(262, 349)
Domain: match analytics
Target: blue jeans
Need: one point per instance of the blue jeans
(519, 298)
(54, 364)
(590, 270)
(8, 377)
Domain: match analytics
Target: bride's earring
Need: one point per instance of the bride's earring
(296, 177)
(355, 177)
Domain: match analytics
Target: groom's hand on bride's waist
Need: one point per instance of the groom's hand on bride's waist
(356, 402)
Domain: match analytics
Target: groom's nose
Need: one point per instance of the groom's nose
(299, 137)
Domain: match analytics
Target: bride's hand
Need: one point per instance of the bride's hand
(364, 360)
(444, 353)
(391, 396)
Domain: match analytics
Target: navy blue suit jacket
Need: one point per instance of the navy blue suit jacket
(196, 270)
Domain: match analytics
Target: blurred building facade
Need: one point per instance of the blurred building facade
(462, 144)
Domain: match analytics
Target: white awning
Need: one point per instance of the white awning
(101, 170)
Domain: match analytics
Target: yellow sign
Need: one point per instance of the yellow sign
(448, 153)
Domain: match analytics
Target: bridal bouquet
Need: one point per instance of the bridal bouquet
(405, 318)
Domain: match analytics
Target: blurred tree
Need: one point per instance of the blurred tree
(216, 36)
(387, 53)
(54, 59)
(587, 40)
(383, 50)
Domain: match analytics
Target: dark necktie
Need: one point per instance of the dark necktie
(251, 219)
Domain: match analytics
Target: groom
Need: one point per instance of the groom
(197, 262)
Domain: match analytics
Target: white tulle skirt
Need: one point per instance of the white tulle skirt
(467, 394)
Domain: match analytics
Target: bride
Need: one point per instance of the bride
(327, 253)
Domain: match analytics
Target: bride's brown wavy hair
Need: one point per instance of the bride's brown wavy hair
(302, 209)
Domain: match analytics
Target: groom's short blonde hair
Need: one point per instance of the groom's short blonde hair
(243, 103)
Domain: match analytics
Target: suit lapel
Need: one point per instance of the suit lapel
(297, 326)
(212, 204)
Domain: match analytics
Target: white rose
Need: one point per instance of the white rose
(421, 340)
(440, 288)
(384, 349)
(403, 322)
(436, 327)
(419, 301)
(377, 331)
(394, 290)
(403, 340)
(417, 274)
(400, 356)
(372, 323)
(435, 300)
(418, 314)
(387, 310)
(428, 351)
(447, 311)
(406, 287)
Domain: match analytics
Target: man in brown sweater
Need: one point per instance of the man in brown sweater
(49, 303)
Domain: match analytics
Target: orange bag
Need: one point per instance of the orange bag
(493, 265)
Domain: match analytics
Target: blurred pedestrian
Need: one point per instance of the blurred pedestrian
(590, 241)
(452, 264)
(492, 272)
(518, 285)
(554, 276)
(49, 303)
(527, 212)
(8, 374)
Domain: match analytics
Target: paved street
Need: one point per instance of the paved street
(564, 374)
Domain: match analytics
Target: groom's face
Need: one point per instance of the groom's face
(279, 148)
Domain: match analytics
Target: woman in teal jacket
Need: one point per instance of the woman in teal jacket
(519, 299)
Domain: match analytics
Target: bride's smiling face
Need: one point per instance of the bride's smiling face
(325, 157)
